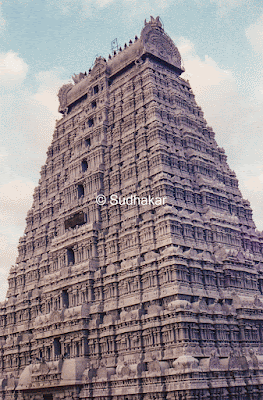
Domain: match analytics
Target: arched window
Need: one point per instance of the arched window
(67, 353)
(77, 350)
(57, 347)
(84, 165)
(65, 301)
(80, 191)
(71, 256)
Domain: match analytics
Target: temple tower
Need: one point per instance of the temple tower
(139, 274)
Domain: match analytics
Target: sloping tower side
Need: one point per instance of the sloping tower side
(125, 302)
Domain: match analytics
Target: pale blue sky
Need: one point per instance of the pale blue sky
(44, 42)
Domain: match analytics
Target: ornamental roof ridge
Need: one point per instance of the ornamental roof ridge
(153, 43)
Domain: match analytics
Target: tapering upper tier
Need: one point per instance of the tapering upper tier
(156, 42)
(153, 43)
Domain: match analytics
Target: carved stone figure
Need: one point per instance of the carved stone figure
(62, 96)
(254, 359)
(214, 362)
(79, 77)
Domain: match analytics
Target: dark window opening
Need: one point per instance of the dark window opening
(57, 347)
(48, 396)
(71, 256)
(67, 352)
(77, 103)
(65, 300)
(96, 89)
(90, 122)
(77, 350)
(87, 142)
(76, 219)
(84, 165)
(80, 191)
(94, 104)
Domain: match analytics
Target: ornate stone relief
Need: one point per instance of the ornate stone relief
(158, 43)
(62, 97)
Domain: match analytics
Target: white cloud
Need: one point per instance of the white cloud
(255, 183)
(15, 198)
(42, 110)
(36, 110)
(255, 35)
(46, 95)
(3, 156)
(205, 73)
(214, 87)
(13, 69)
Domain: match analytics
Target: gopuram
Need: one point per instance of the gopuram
(133, 299)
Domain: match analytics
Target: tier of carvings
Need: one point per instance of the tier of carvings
(135, 302)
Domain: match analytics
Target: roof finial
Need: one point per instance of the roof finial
(154, 22)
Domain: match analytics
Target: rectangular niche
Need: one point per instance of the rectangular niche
(77, 103)
(74, 220)
(48, 396)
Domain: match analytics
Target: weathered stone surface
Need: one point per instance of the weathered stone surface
(144, 300)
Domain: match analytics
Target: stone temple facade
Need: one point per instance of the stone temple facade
(135, 301)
